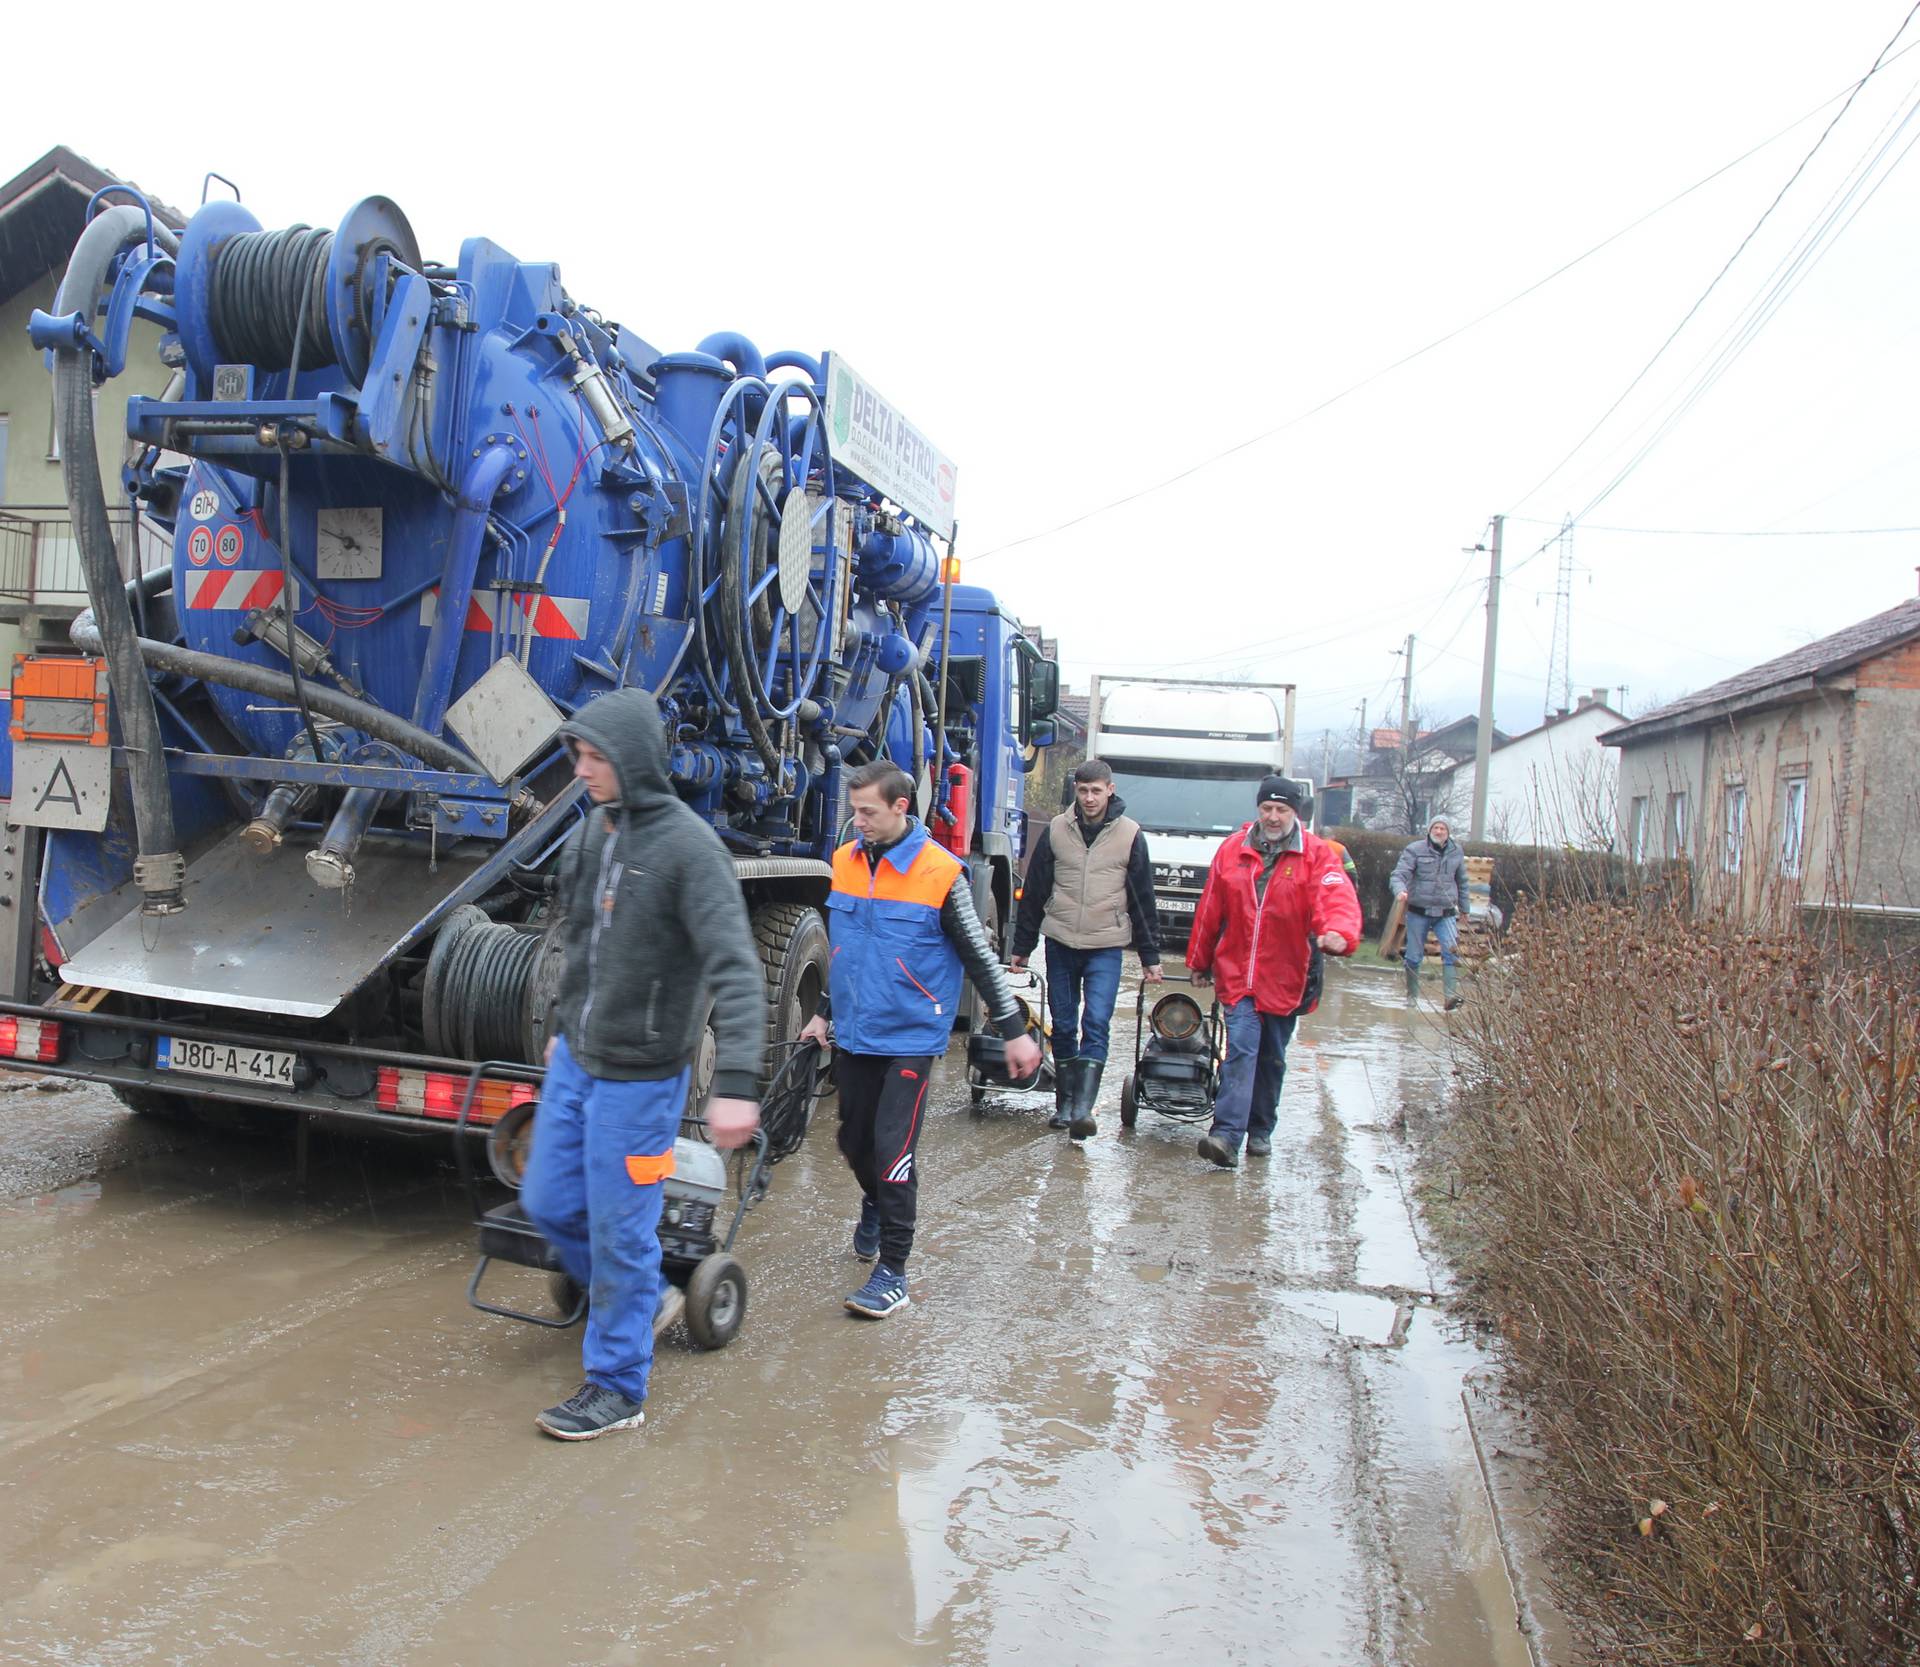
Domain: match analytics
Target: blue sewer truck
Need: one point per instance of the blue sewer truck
(284, 818)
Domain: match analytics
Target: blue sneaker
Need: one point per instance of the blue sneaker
(880, 1296)
(866, 1232)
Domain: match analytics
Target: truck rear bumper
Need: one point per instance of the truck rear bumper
(409, 1093)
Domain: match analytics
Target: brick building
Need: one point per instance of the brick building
(1793, 785)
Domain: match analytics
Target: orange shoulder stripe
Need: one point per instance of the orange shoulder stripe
(927, 881)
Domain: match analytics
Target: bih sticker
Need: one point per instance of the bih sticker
(227, 543)
(205, 505)
(200, 546)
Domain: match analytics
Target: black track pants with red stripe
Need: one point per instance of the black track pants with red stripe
(883, 1103)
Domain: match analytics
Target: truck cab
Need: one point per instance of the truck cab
(1187, 758)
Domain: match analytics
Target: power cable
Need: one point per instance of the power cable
(1849, 93)
(1787, 277)
(1727, 532)
(1878, 63)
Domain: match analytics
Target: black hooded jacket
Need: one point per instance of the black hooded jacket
(654, 921)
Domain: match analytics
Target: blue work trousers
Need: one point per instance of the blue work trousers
(1252, 1074)
(600, 1211)
(1082, 985)
(1445, 927)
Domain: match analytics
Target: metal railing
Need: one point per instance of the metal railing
(40, 556)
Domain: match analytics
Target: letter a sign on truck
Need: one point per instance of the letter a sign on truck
(869, 436)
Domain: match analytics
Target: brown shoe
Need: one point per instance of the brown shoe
(672, 1305)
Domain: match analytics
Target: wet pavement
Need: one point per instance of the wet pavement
(1139, 1407)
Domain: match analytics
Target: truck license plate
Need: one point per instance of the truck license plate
(216, 1059)
(1177, 905)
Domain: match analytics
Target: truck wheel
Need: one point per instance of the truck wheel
(153, 1104)
(706, 1056)
(973, 1011)
(1129, 1104)
(794, 953)
(716, 1300)
(565, 1296)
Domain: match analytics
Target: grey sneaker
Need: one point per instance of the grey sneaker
(1216, 1150)
(1258, 1146)
(591, 1411)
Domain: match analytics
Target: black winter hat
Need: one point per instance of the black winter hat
(1283, 788)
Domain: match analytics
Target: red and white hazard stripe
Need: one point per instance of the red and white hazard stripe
(564, 617)
(240, 588)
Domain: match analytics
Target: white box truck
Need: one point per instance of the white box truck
(1187, 757)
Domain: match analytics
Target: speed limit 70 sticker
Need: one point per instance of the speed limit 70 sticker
(200, 546)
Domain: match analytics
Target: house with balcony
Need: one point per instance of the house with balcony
(1793, 786)
(42, 211)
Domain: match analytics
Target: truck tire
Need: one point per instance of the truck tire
(154, 1104)
(794, 954)
(973, 1011)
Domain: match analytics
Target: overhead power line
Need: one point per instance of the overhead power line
(1848, 93)
(1727, 532)
(1879, 63)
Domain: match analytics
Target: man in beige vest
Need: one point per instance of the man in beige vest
(1089, 889)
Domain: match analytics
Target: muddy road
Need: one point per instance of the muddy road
(1140, 1409)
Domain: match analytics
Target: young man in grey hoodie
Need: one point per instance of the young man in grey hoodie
(654, 923)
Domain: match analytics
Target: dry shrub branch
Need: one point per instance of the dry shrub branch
(1691, 1177)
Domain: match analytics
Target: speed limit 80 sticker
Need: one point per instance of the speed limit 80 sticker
(200, 546)
(227, 544)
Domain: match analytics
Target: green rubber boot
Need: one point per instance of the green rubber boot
(1452, 981)
(1413, 983)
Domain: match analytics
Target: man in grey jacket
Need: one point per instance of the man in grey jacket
(1432, 876)
(654, 923)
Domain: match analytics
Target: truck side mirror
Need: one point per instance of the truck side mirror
(1043, 697)
(1039, 734)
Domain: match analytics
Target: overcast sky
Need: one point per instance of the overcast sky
(1087, 249)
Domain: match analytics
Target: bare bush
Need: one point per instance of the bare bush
(1690, 1205)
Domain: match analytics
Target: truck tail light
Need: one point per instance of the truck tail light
(35, 1039)
(438, 1094)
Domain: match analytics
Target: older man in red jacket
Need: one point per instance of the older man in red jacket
(1275, 893)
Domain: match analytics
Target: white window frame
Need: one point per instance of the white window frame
(1793, 826)
(1677, 826)
(1733, 798)
(1637, 829)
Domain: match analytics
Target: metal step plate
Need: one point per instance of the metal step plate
(258, 935)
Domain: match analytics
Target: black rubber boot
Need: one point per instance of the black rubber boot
(1066, 1072)
(1086, 1095)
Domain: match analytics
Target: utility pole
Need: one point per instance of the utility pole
(1483, 741)
(1406, 702)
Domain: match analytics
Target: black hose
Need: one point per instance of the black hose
(263, 298)
(375, 721)
(287, 591)
(736, 613)
(159, 868)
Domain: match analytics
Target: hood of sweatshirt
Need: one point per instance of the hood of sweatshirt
(625, 725)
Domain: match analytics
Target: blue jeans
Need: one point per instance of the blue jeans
(1251, 1075)
(1074, 975)
(1445, 927)
(597, 1212)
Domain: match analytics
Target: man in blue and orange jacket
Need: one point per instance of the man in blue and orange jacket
(905, 935)
(1274, 894)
